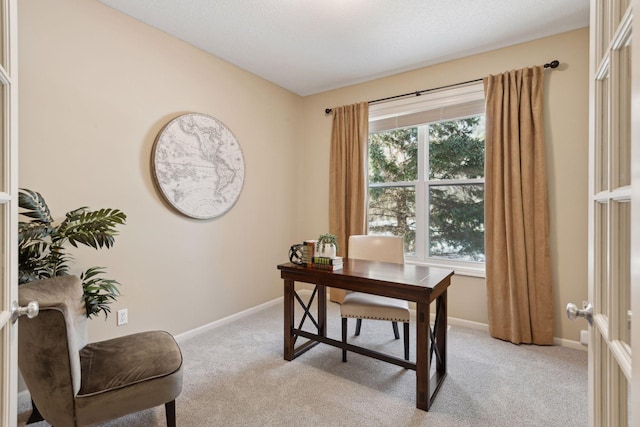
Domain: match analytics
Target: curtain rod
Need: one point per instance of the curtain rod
(552, 64)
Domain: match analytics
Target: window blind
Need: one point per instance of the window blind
(439, 114)
(431, 107)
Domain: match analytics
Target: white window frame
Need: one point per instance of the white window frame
(435, 100)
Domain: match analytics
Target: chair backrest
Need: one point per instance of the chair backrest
(49, 345)
(377, 248)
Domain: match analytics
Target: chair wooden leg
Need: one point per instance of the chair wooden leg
(170, 412)
(396, 333)
(344, 338)
(406, 341)
(358, 326)
(35, 416)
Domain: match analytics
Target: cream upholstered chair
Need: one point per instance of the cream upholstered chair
(360, 305)
(73, 383)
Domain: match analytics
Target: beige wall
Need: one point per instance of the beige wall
(95, 89)
(567, 142)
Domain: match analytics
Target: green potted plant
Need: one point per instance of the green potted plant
(327, 245)
(42, 253)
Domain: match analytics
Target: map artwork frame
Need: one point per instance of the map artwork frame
(198, 166)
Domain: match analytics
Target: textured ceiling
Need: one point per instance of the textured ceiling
(310, 46)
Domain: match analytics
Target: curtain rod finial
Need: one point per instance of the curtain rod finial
(328, 110)
(552, 64)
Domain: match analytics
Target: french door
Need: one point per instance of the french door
(8, 211)
(613, 188)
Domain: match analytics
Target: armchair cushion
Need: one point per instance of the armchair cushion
(146, 367)
(119, 362)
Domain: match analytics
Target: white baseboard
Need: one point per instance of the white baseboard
(453, 321)
(570, 344)
(226, 320)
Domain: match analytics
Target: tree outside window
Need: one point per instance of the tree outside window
(435, 168)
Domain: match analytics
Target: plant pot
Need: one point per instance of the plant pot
(328, 252)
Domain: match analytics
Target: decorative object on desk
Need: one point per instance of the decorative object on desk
(308, 252)
(42, 253)
(327, 245)
(296, 254)
(326, 263)
(198, 166)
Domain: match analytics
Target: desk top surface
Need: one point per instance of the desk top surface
(407, 276)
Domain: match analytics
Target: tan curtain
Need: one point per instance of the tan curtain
(347, 172)
(518, 262)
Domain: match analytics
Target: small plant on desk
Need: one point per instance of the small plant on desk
(327, 239)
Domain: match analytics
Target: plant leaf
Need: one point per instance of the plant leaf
(42, 253)
(96, 229)
(99, 292)
(34, 206)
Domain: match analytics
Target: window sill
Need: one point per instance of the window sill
(461, 269)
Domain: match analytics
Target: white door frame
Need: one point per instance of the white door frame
(614, 205)
(8, 211)
(635, 222)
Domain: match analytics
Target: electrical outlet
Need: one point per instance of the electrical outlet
(584, 337)
(123, 317)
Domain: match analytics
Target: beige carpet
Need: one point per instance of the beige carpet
(235, 375)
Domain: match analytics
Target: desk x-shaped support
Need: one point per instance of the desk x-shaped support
(307, 312)
(433, 348)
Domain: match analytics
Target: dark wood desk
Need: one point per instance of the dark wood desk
(422, 285)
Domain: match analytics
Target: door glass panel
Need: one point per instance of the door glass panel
(603, 26)
(3, 332)
(4, 303)
(4, 237)
(629, 423)
(3, 103)
(623, 5)
(602, 270)
(623, 122)
(602, 135)
(622, 386)
(602, 379)
(2, 37)
(623, 263)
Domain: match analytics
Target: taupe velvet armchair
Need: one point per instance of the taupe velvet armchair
(358, 305)
(75, 383)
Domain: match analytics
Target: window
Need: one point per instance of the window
(426, 176)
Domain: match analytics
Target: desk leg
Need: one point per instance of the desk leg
(441, 334)
(422, 356)
(322, 310)
(288, 319)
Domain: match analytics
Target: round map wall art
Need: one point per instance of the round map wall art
(198, 166)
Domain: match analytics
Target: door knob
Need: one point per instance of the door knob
(31, 310)
(574, 312)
